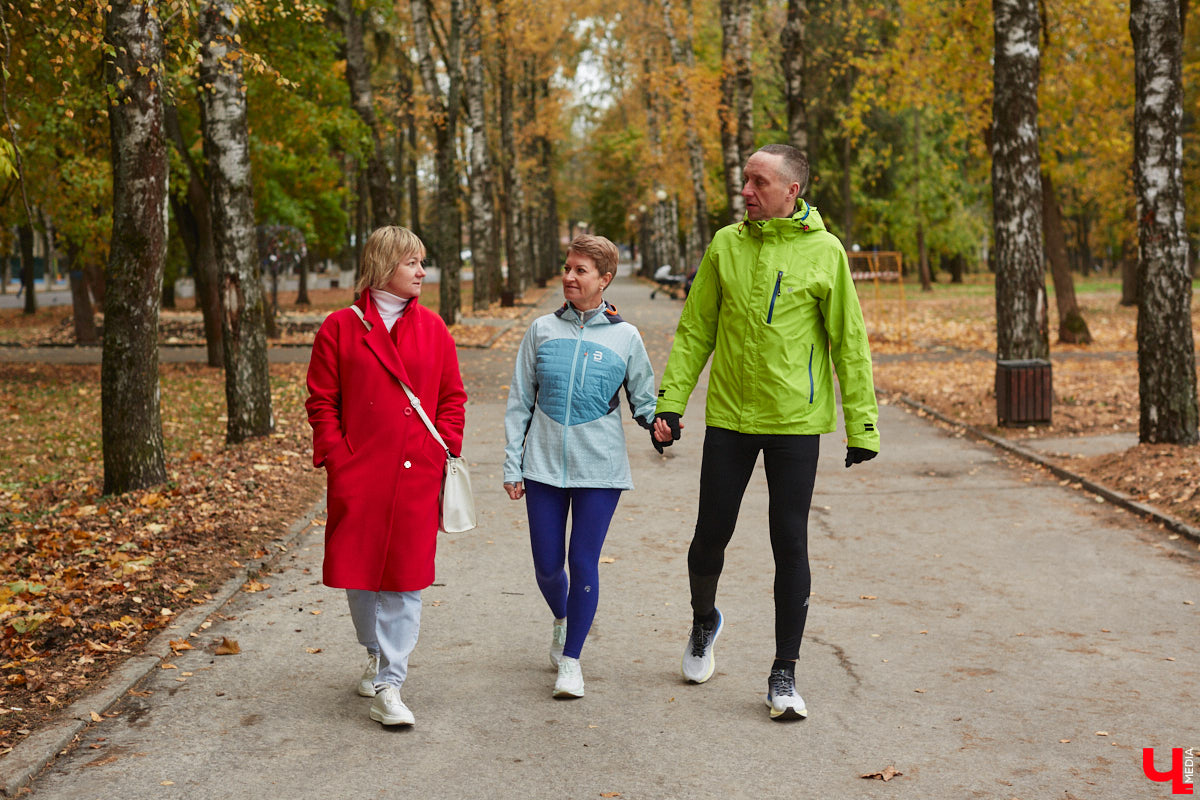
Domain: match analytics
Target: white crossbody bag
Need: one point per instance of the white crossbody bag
(457, 513)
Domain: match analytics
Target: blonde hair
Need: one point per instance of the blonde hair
(598, 249)
(384, 250)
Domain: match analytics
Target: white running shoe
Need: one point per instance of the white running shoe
(698, 661)
(570, 678)
(366, 683)
(558, 640)
(388, 709)
(782, 698)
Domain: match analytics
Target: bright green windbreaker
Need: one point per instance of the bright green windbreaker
(774, 304)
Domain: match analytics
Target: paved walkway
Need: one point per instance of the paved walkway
(985, 631)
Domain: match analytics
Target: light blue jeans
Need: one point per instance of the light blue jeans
(387, 624)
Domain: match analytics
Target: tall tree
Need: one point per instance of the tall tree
(484, 260)
(1166, 348)
(130, 421)
(444, 108)
(1021, 324)
(194, 220)
(684, 59)
(1072, 327)
(512, 194)
(227, 150)
(791, 38)
(358, 76)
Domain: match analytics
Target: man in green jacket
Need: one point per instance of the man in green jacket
(773, 303)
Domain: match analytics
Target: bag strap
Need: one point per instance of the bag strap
(412, 397)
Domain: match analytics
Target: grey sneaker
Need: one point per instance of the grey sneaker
(570, 678)
(558, 640)
(387, 708)
(782, 698)
(698, 661)
(366, 683)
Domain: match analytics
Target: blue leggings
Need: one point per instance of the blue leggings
(591, 511)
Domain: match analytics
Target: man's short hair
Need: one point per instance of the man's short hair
(385, 249)
(598, 249)
(794, 166)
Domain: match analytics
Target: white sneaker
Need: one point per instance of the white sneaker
(698, 661)
(389, 709)
(570, 678)
(782, 698)
(558, 640)
(366, 683)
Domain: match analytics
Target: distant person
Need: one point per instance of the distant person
(773, 303)
(565, 450)
(384, 468)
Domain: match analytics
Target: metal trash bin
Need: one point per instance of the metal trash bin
(1023, 392)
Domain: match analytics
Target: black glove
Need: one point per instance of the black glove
(672, 419)
(857, 455)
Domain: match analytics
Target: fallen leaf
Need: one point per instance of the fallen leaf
(610, 794)
(1102, 733)
(255, 586)
(167, 666)
(96, 717)
(316, 612)
(887, 774)
(313, 650)
(867, 597)
(1064, 741)
(227, 647)
(608, 560)
(180, 644)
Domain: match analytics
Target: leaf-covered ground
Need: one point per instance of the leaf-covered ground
(87, 580)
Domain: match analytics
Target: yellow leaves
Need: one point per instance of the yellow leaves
(227, 647)
(886, 774)
(255, 585)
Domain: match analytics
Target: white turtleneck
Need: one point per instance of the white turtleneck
(389, 306)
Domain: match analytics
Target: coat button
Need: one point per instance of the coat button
(407, 464)
(408, 411)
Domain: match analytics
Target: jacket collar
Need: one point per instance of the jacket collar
(608, 314)
(804, 219)
(378, 339)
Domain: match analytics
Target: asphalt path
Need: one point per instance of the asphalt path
(980, 628)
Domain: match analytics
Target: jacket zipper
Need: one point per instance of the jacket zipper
(811, 387)
(774, 294)
(567, 411)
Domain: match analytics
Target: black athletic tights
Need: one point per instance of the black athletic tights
(791, 466)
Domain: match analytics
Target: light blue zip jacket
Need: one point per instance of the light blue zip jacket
(563, 422)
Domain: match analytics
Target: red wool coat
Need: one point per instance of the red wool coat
(384, 469)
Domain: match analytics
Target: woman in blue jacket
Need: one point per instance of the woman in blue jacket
(565, 448)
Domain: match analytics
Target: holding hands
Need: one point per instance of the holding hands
(515, 490)
(666, 430)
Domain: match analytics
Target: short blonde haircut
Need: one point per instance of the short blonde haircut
(598, 249)
(384, 250)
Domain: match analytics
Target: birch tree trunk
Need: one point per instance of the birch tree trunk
(744, 61)
(511, 192)
(358, 77)
(444, 109)
(791, 38)
(227, 150)
(130, 421)
(1021, 319)
(484, 260)
(727, 112)
(1072, 327)
(684, 58)
(1166, 347)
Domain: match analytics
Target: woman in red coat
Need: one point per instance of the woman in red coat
(384, 469)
